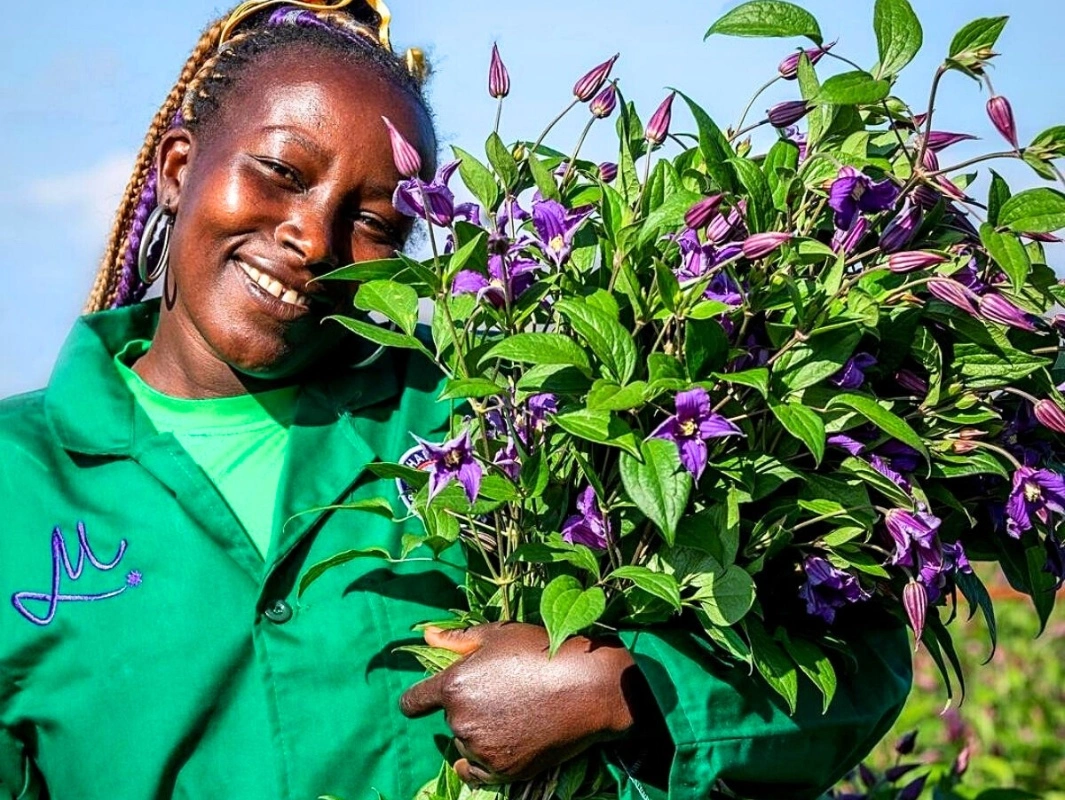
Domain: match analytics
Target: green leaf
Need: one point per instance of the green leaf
(1008, 251)
(667, 216)
(726, 596)
(608, 396)
(811, 362)
(380, 335)
(539, 348)
(1039, 210)
(415, 478)
(502, 160)
(997, 196)
(757, 378)
(773, 664)
(461, 388)
(713, 145)
(659, 584)
(660, 486)
(554, 553)
(397, 302)
(976, 594)
(815, 665)
(543, 178)
(433, 659)
(1051, 142)
(779, 166)
(891, 424)
(705, 347)
(768, 18)
(760, 209)
(802, 423)
(821, 117)
(898, 35)
(566, 608)
(980, 34)
(379, 269)
(554, 378)
(600, 427)
(478, 178)
(865, 472)
(477, 246)
(611, 343)
(853, 89)
(319, 569)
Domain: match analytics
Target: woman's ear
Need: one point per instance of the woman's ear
(174, 154)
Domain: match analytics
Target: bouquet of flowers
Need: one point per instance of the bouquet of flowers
(752, 390)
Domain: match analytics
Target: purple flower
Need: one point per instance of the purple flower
(827, 589)
(691, 426)
(452, 461)
(555, 228)
(412, 195)
(591, 81)
(846, 240)
(408, 162)
(912, 382)
(799, 140)
(905, 743)
(537, 408)
(1001, 113)
(940, 140)
(608, 170)
(915, 601)
(508, 461)
(789, 67)
(913, 260)
(762, 244)
(845, 442)
(604, 103)
(853, 192)
(508, 279)
(700, 214)
(724, 227)
(510, 210)
(913, 533)
(788, 113)
(1050, 415)
(996, 308)
(954, 558)
(699, 259)
(498, 77)
(852, 376)
(954, 293)
(887, 469)
(658, 126)
(590, 526)
(1036, 492)
(898, 233)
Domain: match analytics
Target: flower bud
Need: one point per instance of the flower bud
(912, 260)
(762, 244)
(700, 214)
(789, 67)
(906, 743)
(608, 170)
(915, 602)
(892, 774)
(950, 291)
(845, 241)
(940, 140)
(498, 77)
(898, 233)
(787, 113)
(585, 89)
(658, 126)
(604, 103)
(1001, 114)
(911, 382)
(925, 196)
(961, 763)
(868, 776)
(1042, 237)
(404, 156)
(996, 308)
(520, 151)
(913, 790)
(1050, 415)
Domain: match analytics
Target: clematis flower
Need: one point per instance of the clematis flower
(413, 195)
(760, 245)
(941, 140)
(853, 192)
(1050, 415)
(915, 602)
(508, 279)
(828, 589)
(590, 83)
(658, 126)
(404, 156)
(996, 308)
(699, 258)
(452, 461)
(510, 210)
(845, 442)
(498, 77)
(1036, 492)
(537, 409)
(782, 115)
(852, 375)
(608, 170)
(846, 240)
(724, 226)
(700, 214)
(912, 382)
(555, 228)
(914, 534)
(604, 103)
(690, 428)
(789, 67)
(590, 526)
(887, 469)
(954, 293)
(898, 233)
(913, 260)
(508, 460)
(1001, 114)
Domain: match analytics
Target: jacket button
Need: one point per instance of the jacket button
(278, 611)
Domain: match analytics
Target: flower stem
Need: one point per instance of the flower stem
(970, 162)
(552, 124)
(576, 151)
(750, 104)
(499, 114)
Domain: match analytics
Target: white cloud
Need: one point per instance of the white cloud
(87, 198)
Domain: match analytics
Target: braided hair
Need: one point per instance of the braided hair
(211, 71)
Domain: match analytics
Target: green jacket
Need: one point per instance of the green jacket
(147, 651)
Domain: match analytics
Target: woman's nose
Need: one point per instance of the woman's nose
(310, 236)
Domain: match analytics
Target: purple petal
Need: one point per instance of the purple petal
(469, 475)
(468, 282)
(693, 404)
(407, 199)
(693, 455)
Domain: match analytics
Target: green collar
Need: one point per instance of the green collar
(91, 410)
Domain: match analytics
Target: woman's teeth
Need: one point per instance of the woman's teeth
(274, 287)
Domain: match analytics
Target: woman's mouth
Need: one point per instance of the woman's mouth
(274, 287)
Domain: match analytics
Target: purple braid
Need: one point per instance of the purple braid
(130, 287)
(290, 15)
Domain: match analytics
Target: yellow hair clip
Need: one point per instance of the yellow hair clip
(251, 7)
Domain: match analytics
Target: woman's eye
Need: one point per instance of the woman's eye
(285, 172)
(377, 226)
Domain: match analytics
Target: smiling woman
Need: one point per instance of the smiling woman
(200, 445)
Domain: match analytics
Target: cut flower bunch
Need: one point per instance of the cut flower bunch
(753, 393)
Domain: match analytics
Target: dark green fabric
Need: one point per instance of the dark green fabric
(187, 682)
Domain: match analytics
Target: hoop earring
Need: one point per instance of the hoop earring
(154, 252)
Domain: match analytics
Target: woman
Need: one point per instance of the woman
(153, 645)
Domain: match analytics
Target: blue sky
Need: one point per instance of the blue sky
(83, 79)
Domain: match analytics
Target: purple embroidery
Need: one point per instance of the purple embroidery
(61, 559)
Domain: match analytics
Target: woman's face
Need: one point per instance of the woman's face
(293, 177)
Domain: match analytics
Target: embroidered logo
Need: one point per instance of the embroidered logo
(415, 458)
(61, 564)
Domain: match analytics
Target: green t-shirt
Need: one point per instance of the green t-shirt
(240, 442)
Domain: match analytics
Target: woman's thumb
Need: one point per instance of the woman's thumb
(458, 640)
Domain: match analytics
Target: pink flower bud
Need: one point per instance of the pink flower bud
(498, 77)
(700, 214)
(604, 103)
(788, 113)
(940, 140)
(961, 763)
(789, 67)
(590, 83)
(1050, 415)
(408, 162)
(997, 308)
(762, 244)
(1001, 114)
(913, 260)
(952, 292)
(658, 127)
(608, 170)
(915, 601)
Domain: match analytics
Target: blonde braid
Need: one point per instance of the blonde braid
(106, 285)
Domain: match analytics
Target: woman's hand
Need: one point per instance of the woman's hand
(514, 711)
